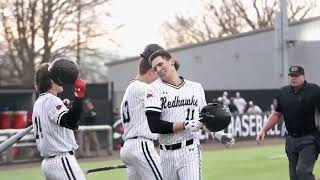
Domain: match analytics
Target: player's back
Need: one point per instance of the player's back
(132, 112)
(51, 138)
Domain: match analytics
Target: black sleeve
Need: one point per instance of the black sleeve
(71, 118)
(278, 107)
(318, 98)
(157, 125)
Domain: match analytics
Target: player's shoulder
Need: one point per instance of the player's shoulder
(156, 83)
(51, 99)
(155, 86)
(192, 83)
(313, 85)
(134, 83)
(47, 100)
(137, 85)
(46, 96)
(285, 88)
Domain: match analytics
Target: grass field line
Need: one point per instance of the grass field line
(278, 156)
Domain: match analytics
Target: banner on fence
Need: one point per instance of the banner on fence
(249, 125)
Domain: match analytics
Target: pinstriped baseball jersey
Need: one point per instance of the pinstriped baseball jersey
(138, 152)
(176, 104)
(132, 111)
(51, 138)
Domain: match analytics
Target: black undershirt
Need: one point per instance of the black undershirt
(157, 125)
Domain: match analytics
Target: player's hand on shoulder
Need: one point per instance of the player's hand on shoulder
(79, 88)
(193, 125)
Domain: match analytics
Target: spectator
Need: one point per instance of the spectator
(220, 100)
(272, 108)
(240, 103)
(233, 108)
(274, 104)
(253, 108)
(90, 119)
(225, 98)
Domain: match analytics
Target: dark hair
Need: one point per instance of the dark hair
(144, 66)
(42, 78)
(168, 57)
(176, 64)
(152, 51)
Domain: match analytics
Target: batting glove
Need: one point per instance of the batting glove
(193, 125)
(224, 138)
(79, 88)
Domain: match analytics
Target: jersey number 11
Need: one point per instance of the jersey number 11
(190, 114)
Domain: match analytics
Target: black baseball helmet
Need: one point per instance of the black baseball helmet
(215, 116)
(63, 71)
(151, 51)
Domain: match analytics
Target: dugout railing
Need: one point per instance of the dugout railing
(25, 150)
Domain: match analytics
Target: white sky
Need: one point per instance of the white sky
(143, 18)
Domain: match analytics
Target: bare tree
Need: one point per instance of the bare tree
(227, 17)
(35, 31)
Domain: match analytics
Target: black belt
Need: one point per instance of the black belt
(70, 152)
(299, 134)
(136, 137)
(175, 146)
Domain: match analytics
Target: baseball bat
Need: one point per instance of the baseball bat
(12, 140)
(104, 168)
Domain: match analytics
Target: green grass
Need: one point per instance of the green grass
(260, 163)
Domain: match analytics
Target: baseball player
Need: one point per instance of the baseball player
(172, 106)
(138, 152)
(53, 125)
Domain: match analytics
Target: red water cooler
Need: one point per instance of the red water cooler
(19, 119)
(29, 118)
(5, 119)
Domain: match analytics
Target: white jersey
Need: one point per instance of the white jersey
(134, 119)
(240, 104)
(176, 104)
(51, 138)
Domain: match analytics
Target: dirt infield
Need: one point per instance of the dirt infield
(207, 146)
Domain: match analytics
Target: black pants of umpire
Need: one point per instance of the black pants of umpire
(302, 154)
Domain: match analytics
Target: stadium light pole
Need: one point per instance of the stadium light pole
(78, 31)
(281, 38)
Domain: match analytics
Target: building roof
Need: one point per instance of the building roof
(216, 40)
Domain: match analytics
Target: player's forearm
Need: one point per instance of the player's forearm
(178, 126)
(273, 119)
(157, 125)
(70, 119)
